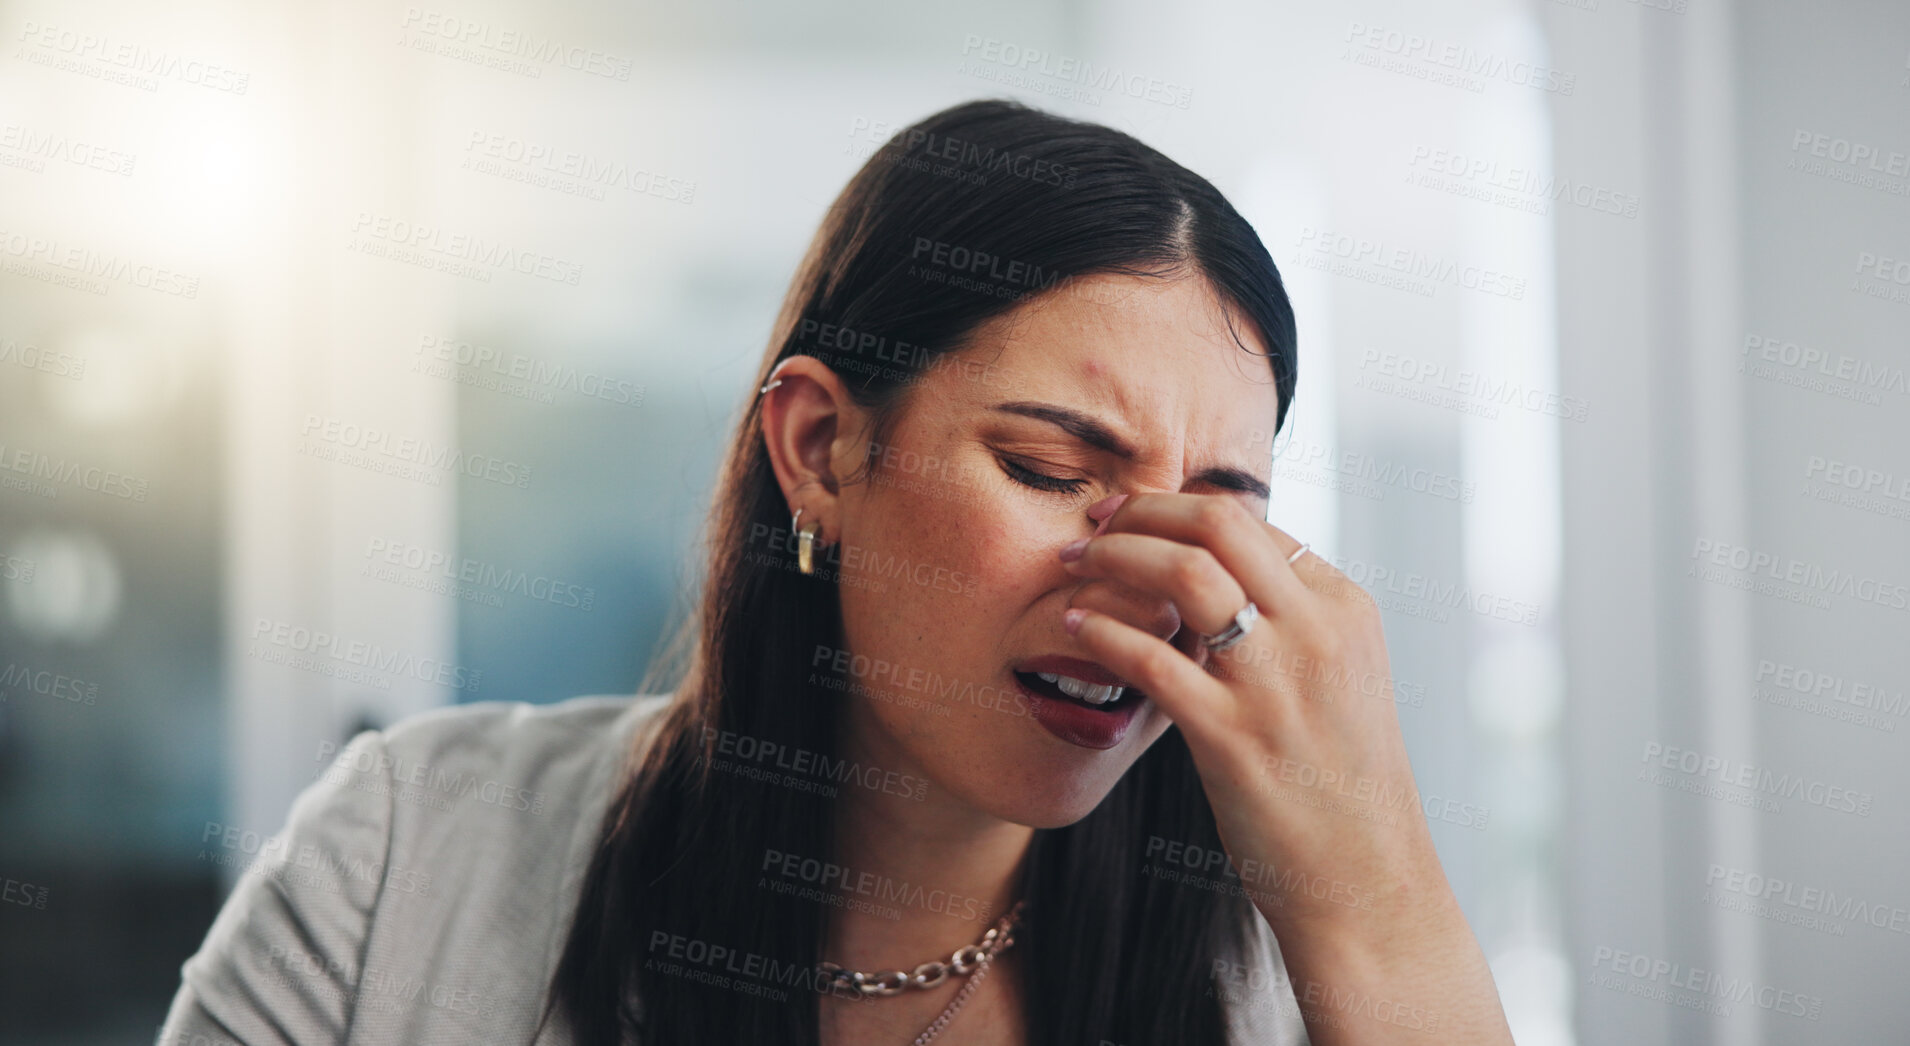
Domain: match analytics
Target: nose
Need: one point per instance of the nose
(1121, 601)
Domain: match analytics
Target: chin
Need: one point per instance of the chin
(1050, 813)
(1054, 793)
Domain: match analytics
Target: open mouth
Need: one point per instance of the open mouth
(1098, 696)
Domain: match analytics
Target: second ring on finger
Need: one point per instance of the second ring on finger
(1189, 576)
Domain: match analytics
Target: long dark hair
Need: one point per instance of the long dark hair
(1003, 202)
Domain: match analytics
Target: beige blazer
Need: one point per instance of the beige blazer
(423, 885)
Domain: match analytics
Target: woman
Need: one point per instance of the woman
(1004, 717)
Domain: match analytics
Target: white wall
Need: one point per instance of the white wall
(1685, 452)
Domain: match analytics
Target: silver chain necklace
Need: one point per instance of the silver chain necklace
(971, 961)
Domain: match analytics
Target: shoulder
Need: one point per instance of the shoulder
(440, 853)
(550, 743)
(494, 811)
(488, 729)
(455, 768)
(494, 795)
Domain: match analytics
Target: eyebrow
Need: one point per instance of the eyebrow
(1092, 432)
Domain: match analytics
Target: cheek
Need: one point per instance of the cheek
(954, 562)
(942, 593)
(1008, 547)
(906, 588)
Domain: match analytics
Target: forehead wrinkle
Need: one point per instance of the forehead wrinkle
(1159, 446)
(1193, 436)
(1162, 420)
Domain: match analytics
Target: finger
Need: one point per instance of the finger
(1251, 549)
(1191, 698)
(1325, 580)
(1188, 576)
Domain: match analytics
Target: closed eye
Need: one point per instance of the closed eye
(1028, 477)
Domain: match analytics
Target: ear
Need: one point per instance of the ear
(810, 426)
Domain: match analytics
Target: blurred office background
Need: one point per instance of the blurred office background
(1602, 304)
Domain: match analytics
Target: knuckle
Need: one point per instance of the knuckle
(1329, 644)
(1217, 514)
(1342, 590)
(1153, 664)
(1191, 569)
(1330, 576)
(1360, 601)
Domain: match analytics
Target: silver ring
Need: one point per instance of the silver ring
(1297, 553)
(769, 386)
(1234, 633)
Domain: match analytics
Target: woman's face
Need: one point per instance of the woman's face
(945, 549)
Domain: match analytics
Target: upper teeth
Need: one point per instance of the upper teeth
(1092, 693)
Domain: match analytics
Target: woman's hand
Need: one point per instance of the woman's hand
(1297, 741)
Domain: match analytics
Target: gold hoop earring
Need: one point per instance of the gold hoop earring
(805, 543)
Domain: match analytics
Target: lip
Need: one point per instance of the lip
(1076, 723)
